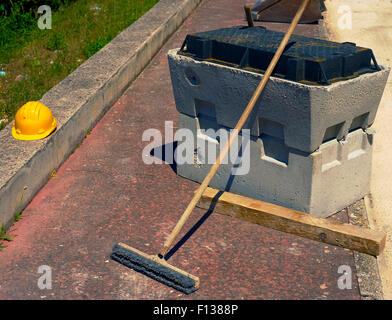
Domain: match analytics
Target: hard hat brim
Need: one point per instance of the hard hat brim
(30, 137)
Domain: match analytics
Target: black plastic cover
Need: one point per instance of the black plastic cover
(307, 60)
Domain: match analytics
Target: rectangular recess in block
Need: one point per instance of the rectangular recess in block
(331, 155)
(333, 132)
(330, 165)
(359, 122)
(355, 154)
(206, 119)
(274, 150)
(271, 128)
(205, 108)
(209, 126)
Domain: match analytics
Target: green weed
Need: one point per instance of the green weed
(3, 234)
(17, 216)
(56, 41)
(92, 47)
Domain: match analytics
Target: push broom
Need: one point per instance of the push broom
(155, 266)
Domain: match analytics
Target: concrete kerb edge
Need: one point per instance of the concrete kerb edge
(26, 166)
(361, 267)
(370, 284)
(381, 264)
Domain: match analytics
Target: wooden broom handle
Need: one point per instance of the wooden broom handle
(192, 204)
(248, 14)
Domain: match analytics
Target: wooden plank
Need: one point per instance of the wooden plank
(295, 222)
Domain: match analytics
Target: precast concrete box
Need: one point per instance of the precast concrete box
(309, 146)
(303, 116)
(320, 183)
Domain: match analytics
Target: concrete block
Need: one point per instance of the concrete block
(320, 183)
(303, 115)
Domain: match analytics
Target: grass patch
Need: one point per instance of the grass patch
(56, 41)
(92, 47)
(4, 237)
(36, 60)
(17, 216)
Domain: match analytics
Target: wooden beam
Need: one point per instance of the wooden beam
(295, 222)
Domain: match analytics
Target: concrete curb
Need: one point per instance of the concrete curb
(367, 270)
(381, 263)
(80, 100)
(369, 273)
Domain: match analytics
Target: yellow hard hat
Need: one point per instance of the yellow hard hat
(33, 121)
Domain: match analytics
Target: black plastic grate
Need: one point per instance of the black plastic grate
(305, 59)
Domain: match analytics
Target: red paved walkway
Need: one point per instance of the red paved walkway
(104, 193)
